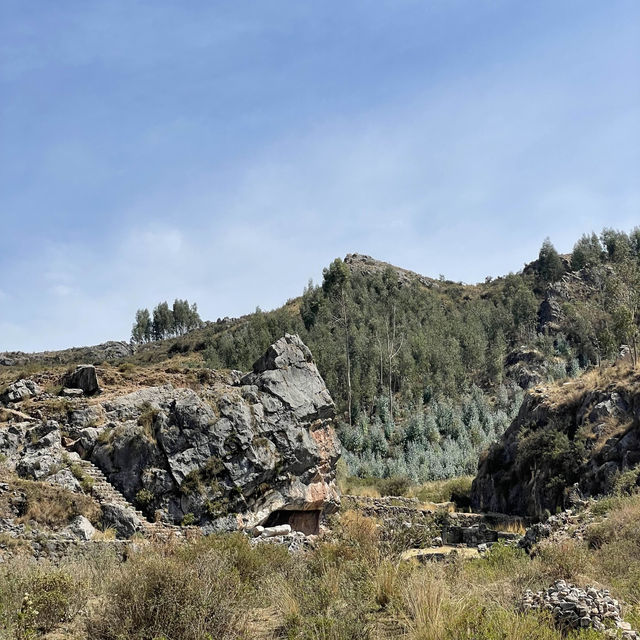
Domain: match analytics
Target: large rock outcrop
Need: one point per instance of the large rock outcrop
(584, 432)
(257, 450)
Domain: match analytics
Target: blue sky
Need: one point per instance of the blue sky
(227, 151)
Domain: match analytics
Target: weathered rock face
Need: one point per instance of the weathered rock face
(20, 390)
(230, 456)
(561, 438)
(41, 452)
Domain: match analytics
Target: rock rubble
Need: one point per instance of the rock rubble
(19, 391)
(577, 608)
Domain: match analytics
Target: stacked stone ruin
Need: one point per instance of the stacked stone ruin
(575, 608)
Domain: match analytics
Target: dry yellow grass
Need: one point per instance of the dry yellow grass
(621, 377)
(511, 525)
(364, 492)
(105, 535)
(47, 504)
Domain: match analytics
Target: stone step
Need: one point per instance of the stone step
(104, 491)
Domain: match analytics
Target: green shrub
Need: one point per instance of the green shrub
(144, 498)
(626, 482)
(394, 486)
(192, 484)
(188, 520)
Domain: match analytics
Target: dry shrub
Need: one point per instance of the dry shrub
(36, 599)
(54, 506)
(385, 581)
(359, 530)
(425, 607)
(568, 560)
(173, 596)
(616, 545)
(284, 597)
(621, 523)
(502, 576)
(105, 535)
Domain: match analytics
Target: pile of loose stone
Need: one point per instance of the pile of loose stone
(570, 524)
(576, 608)
(284, 535)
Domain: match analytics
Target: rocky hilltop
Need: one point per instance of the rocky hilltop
(366, 265)
(569, 440)
(107, 351)
(237, 451)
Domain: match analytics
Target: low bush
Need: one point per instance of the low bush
(156, 595)
(351, 586)
(456, 490)
(36, 599)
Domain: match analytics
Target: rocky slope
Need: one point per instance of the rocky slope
(578, 437)
(240, 451)
(113, 350)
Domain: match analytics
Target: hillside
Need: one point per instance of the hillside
(425, 373)
(173, 501)
(161, 497)
(584, 432)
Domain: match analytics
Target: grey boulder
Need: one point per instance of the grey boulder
(81, 528)
(20, 390)
(42, 453)
(243, 452)
(122, 519)
(65, 479)
(84, 377)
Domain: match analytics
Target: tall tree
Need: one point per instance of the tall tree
(193, 317)
(335, 280)
(181, 312)
(586, 252)
(617, 244)
(550, 264)
(141, 331)
(394, 345)
(162, 321)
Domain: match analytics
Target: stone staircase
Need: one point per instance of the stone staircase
(104, 492)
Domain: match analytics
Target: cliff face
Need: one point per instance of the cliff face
(586, 431)
(237, 452)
